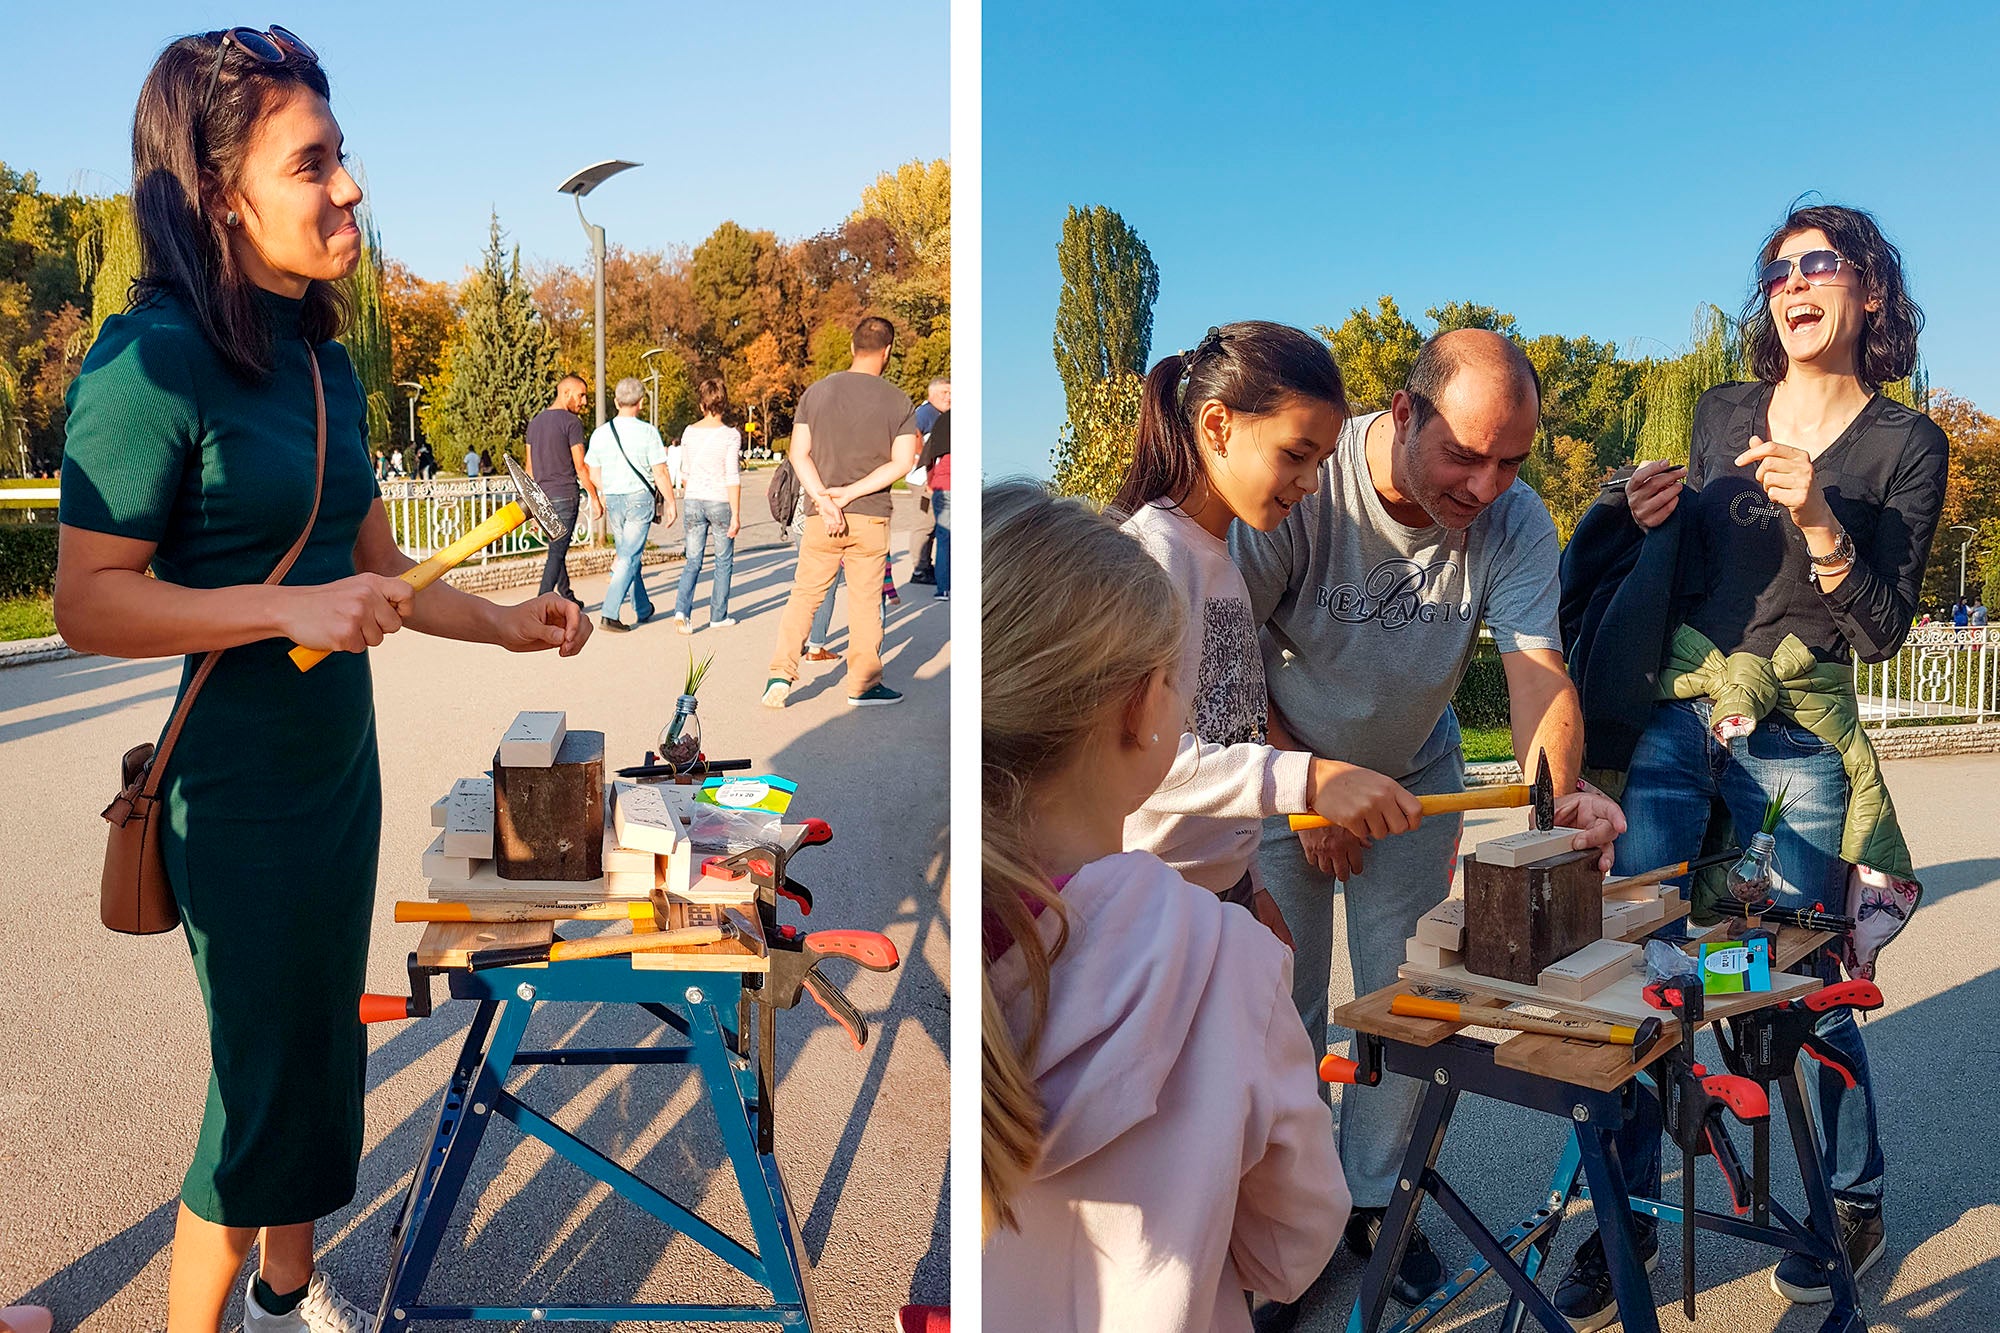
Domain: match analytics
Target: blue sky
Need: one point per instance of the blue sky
(775, 114)
(1593, 169)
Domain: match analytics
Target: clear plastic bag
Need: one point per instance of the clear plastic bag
(731, 830)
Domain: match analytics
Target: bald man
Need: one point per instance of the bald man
(1371, 596)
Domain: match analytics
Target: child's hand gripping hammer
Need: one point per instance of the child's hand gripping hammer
(1540, 794)
(534, 503)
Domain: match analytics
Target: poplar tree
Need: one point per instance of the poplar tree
(1104, 318)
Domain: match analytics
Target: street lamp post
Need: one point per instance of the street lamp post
(1963, 547)
(644, 357)
(416, 392)
(577, 186)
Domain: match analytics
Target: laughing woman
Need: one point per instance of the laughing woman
(194, 451)
(1803, 536)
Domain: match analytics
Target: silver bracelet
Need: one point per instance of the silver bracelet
(1842, 552)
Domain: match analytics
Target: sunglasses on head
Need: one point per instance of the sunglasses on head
(269, 46)
(1815, 266)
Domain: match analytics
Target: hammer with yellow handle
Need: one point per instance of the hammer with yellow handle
(1540, 794)
(534, 503)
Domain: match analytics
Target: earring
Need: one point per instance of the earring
(230, 219)
(1156, 738)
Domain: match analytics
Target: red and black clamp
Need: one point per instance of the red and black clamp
(1767, 1042)
(795, 957)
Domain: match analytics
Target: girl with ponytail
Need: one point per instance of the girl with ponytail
(1140, 1045)
(1237, 429)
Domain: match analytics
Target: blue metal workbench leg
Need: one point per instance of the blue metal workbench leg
(1598, 1149)
(1426, 1142)
(469, 1054)
(1845, 1317)
(1562, 1187)
(460, 1128)
(784, 1262)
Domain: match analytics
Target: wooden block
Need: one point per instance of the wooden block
(548, 822)
(643, 818)
(1428, 955)
(468, 819)
(487, 888)
(736, 954)
(617, 858)
(440, 865)
(1588, 970)
(1444, 925)
(1521, 919)
(438, 808)
(633, 883)
(533, 741)
(1519, 849)
(451, 943)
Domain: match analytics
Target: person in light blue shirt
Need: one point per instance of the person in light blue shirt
(628, 466)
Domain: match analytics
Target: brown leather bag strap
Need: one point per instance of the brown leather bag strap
(157, 768)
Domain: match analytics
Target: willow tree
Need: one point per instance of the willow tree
(367, 339)
(107, 256)
(1660, 416)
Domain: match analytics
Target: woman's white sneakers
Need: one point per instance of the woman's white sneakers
(324, 1310)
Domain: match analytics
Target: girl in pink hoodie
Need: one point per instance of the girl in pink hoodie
(1153, 1140)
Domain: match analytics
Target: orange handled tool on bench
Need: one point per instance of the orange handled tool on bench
(534, 503)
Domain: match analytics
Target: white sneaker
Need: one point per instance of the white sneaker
(776, 690)
(324, 1310)
(723, 623)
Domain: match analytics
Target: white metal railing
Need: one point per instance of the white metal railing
(427, 516)
(1940, 672)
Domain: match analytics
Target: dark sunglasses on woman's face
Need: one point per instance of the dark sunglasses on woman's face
(268, 46)
(1815, 266)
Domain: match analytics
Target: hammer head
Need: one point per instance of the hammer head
(534, 499)
(1544, 791)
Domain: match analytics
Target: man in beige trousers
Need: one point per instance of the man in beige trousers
(855, 434)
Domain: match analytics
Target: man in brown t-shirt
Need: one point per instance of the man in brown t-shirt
(854, 435)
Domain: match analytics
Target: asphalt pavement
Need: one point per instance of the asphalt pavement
(106, 1051)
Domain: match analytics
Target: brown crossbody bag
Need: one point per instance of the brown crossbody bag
(136, 898)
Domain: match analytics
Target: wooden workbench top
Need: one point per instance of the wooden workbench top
(1597, 1065)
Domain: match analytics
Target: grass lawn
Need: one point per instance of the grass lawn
(26, 618)
(1487, 745)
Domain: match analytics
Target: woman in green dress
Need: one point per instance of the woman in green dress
(192, 451)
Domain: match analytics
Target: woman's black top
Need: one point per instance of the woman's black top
(1748, 568)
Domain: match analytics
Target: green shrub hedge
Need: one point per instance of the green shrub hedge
(1481, 700)
(27, 559)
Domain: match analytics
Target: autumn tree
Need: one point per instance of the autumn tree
(1104, 316)
(1096, 444)
(502, 365)
(421, 316)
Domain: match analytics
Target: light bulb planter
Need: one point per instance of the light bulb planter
(680, 744)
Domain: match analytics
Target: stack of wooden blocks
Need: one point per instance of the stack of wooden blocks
(546, 828)
(1539, 915)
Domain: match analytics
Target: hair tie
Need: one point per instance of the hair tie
(1210, 341)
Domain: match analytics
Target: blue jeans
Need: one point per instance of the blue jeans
(699, 516)
(1676, 770)
(630, 518)
(941, 561)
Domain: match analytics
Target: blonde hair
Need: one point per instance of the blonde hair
(1075, 618)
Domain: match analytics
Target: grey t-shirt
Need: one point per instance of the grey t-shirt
(855, 419)
(1368, 625)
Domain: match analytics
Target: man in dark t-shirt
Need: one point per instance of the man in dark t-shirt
(555, 461)
(854, 435)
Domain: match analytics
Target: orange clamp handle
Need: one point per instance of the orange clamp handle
(384, 1008)
(872, 949)
(817, 831)
(1740, 1095)
(1338, 1069)
(1857, 994)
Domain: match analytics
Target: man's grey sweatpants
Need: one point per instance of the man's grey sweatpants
(1402, 878)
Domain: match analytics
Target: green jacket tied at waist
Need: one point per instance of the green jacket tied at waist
(1819, 696)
